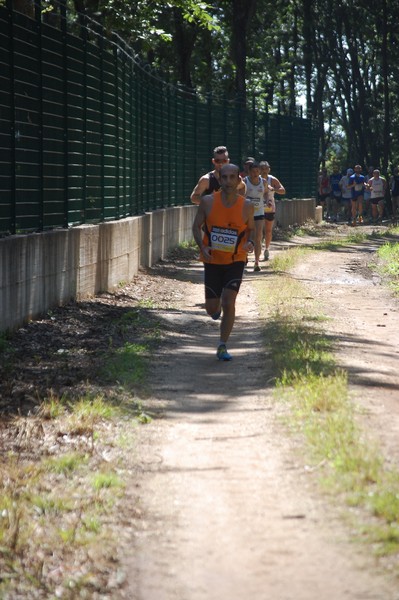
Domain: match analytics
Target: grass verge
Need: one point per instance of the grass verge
(388, 264)
(63, 480)
(308, 379)
(65, 467)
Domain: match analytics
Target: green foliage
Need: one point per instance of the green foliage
(127, 364)
(308, 54)
(66, 463)
(106, 480)
(389, 266)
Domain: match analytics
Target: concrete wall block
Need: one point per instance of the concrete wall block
(88, 260)
(186, 222)
(113, 253)
(134, 246)
(39, 271)
(172, 228)
(158, 235)
(146, 240)
(294, 212)
(59, 267)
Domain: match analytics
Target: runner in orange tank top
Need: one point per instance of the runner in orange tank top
(223, 229)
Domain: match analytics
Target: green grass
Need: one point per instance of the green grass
(127, 365)
(66, 463)
(189, 244)
(60, 490)
(106, 480)
(334, 241)
(389, 264)
(93, 408)
(309, 381)
(286, 260)
(48, 505)
(357, 237)
(53, 407)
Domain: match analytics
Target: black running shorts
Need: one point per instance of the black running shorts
(218, 277)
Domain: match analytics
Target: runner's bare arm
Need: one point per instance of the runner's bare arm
(277, 186)
(199, 189)
(199, 220)
(249, 216)
(241, 187)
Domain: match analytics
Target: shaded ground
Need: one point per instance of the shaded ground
(222, 505)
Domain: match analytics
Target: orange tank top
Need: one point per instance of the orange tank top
(225, 231)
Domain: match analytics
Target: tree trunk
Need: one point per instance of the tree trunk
(243, 11)
(307, 32)
(184, 40)
(387, 110)
(26, 7)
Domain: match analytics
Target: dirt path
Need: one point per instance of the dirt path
(227, 509)
(364, 325)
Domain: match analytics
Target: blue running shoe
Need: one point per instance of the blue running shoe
(216, 315)
(222, 353)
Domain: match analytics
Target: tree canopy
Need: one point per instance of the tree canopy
(338, 60)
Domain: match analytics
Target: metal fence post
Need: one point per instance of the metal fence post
(38, 20)
(117, 153)
(63, 12)
(84, 135)
(131, 140)
(102, 125)
(13, 129)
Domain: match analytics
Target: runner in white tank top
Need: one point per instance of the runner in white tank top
(377, 186)
(272, 186)
(255, 193)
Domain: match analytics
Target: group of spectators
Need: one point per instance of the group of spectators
(356, 197)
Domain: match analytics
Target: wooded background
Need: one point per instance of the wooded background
(338, 59)
(89, 133)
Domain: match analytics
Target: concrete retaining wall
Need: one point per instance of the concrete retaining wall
(43, 270)
(40, 271)
(294, 212)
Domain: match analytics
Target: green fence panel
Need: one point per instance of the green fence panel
(89, 134)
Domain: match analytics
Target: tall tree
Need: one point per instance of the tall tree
(243, 11)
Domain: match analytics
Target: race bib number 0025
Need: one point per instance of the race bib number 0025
(224, 239)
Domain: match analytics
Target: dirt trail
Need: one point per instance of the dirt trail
(227, 509)
(364, 326)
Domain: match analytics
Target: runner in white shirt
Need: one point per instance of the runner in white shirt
(255, 193)
(377, 186)
(272, 186)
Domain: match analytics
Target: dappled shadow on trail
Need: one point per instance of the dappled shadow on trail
(188, 378)
(362, 373)
(67, 353)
